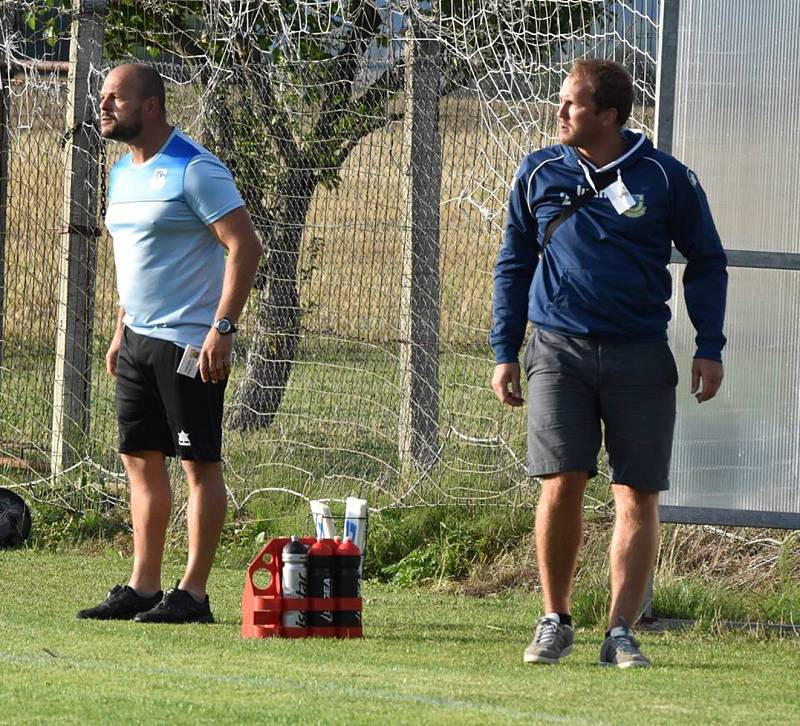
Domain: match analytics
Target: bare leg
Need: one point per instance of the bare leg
(634, 546)
(559, 531)
(151, 502)
(205, 516)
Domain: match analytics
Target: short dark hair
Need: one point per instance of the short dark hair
(611, 85)
(151, 84)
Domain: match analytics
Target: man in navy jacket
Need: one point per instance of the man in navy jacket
(595, 285)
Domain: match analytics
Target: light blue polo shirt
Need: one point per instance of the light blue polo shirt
(169, 263)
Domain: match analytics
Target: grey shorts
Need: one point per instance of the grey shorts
(577, 384)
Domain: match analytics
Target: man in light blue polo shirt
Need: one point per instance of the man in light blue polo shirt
(173, 212)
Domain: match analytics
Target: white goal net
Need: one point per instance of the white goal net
(306, 102)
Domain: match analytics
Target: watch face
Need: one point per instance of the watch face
(223, 326)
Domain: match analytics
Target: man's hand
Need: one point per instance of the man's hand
(215, 357)
(709, 373)
(111, 355)
(505, 373)
(116, 344)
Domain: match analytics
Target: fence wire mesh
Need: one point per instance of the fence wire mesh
(313, 107)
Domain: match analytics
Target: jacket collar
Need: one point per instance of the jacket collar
(637, 145)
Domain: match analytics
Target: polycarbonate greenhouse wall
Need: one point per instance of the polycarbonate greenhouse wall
(736, 459)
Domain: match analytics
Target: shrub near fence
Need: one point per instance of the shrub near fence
(337, 295)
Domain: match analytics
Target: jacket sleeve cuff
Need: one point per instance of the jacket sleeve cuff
(709, 353)
(506, 355)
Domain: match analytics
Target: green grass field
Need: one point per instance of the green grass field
(427, 657)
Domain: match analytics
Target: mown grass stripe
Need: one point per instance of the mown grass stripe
(46, 662)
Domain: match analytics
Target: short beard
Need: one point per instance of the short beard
(124, 133)
(570, 140)
(578, 141)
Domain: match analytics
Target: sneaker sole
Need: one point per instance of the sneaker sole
(114, 617)
(544, 659)
(204, 619)
(629, 664)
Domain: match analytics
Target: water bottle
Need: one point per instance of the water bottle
(320, 585)
(294, 584)
(355, 524)
(347, 584)
(323, 519)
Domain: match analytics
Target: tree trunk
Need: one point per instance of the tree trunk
(275, 333)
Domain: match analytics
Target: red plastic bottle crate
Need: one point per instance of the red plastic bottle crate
(262, 606)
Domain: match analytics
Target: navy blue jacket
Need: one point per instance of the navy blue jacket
(604, 275)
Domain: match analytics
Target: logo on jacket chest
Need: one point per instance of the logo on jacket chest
(638, 209)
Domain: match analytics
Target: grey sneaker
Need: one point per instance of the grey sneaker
(621, 649)
(551, 642)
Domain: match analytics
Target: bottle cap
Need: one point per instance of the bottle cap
(348, 549)
(321, 548)
(294, 547)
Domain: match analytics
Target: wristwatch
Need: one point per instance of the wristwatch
(224, 326)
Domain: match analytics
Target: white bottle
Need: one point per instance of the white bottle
(323, 520)
(355, 524)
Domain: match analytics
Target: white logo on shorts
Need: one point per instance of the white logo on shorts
(183, 439)
(159, 179)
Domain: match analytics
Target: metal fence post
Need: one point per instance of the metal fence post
(5, 103)
(71, 390)
(666, 69)
(669, 15)
(7, 21)
(420, 298)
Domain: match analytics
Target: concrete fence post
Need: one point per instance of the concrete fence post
(420, 295)
(5, 103)
(78, 248)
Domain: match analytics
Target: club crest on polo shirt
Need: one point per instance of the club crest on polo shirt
(159, 179)
(638, 209)
(183, 438)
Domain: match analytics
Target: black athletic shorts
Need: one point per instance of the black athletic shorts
(158, 409)
(577, 384)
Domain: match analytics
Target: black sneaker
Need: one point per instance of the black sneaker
(121, 603)
(178, 606)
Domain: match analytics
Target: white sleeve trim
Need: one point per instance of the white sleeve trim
(530, 181)
(666, 178)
